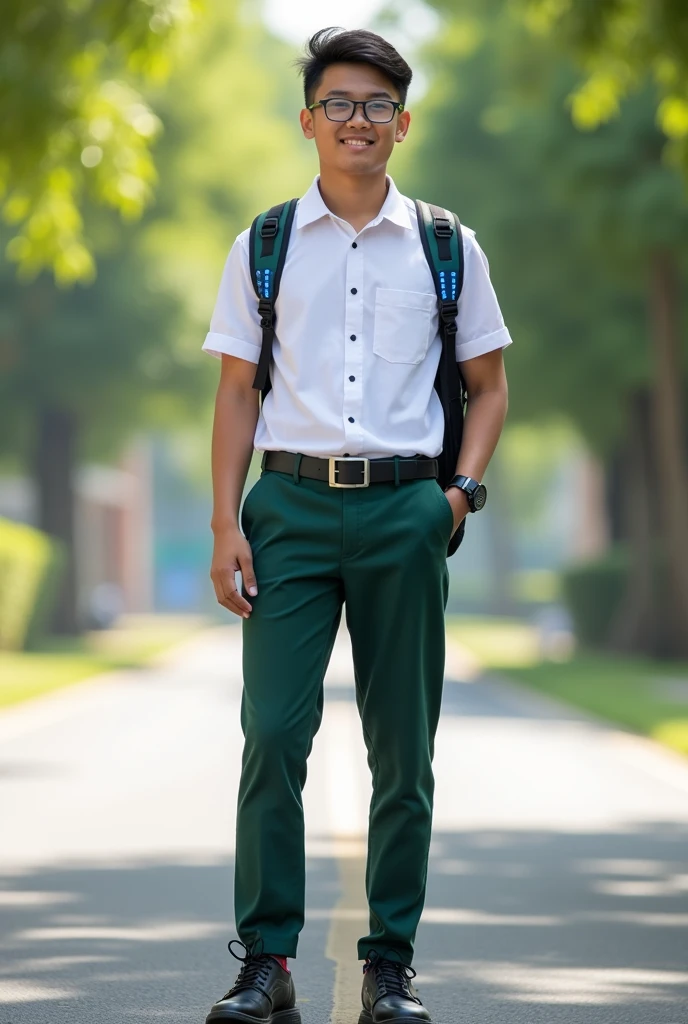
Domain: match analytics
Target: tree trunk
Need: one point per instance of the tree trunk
(669, 445)
(54, 465)
(614, 479)
(634, 626)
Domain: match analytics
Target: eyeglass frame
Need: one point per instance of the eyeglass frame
(397, 108)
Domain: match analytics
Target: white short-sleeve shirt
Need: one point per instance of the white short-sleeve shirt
(357, 342)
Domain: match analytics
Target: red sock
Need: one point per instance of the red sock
(282, 961)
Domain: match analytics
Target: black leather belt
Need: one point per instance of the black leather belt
(349, 471)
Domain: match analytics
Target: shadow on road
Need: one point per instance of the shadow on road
(537, 927)
(557, 889)
(135, 942)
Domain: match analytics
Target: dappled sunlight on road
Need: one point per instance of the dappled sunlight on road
(560, 985)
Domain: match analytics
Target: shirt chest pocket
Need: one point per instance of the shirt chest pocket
(404, 324)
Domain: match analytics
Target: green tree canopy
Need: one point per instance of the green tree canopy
(73, 125)
(621, 46)
(584, 231)
(82, 368)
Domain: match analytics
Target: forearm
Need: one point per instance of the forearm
(483, 423)
(234, 427)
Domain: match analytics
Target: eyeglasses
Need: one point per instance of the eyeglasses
(375, 111)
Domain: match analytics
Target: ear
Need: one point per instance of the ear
(403, 122)
(307, 126)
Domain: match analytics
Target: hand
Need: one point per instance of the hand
(231, 553)
(458, 500)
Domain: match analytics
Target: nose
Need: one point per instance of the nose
(358, 116)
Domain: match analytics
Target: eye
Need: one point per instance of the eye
(339, 106)
(379, 106)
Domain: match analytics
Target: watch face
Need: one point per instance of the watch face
(479, 497)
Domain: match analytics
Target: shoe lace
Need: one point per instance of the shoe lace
(391, 976)
(255, 970)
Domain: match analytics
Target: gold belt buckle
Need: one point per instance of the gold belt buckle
(334, 469)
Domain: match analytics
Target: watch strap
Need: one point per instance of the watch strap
(466, 483)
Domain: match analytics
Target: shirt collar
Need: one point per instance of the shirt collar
(312, 207)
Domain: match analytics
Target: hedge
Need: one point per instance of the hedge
(31, 565)
(593, 591)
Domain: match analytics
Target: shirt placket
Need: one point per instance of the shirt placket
(353, 348)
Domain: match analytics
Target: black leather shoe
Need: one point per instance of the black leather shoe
(388, 996)
(262, 994)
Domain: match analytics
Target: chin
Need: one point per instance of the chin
(356, 163)
(359, 166)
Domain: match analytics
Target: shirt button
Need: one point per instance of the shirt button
(354, 291)
(352, 378)
(354, 245)
(353, 337)
(351, 419)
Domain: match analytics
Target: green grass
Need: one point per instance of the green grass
(496, 642)
(537, 585)
(633, 692)
(63, 661)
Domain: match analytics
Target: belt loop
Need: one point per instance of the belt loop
(396, 470)
(297, 465)
(263, 460)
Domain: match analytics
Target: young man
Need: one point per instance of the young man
(355, 357)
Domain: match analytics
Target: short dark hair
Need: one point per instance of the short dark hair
(358, 46)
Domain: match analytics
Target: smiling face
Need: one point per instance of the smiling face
(355, 146)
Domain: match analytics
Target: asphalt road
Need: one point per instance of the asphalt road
(558, 888)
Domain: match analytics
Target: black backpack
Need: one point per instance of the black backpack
(440, 232)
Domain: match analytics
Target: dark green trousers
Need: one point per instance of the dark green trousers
(381, 552)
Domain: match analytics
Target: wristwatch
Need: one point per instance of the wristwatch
(476, 493)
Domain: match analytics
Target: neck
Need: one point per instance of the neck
(355, 198)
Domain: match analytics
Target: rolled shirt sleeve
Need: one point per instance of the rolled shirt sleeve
(480, 324)
(234, 325)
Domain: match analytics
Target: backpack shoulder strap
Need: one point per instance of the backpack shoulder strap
(268, 243)
(442, 238)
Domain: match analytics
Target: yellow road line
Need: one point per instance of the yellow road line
(349, 920)
(346, 766)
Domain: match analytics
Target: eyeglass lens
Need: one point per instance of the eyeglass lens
(374, 110)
